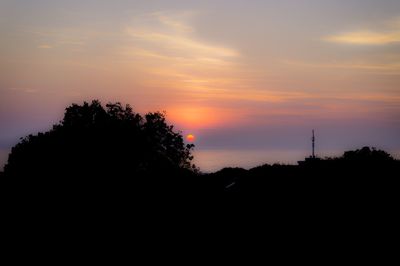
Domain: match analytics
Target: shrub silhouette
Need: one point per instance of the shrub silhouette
(93, 141)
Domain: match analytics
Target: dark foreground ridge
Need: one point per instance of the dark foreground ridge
(111, 155)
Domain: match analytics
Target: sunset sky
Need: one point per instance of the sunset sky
(248, 79)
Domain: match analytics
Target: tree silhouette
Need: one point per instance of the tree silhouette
(93, 141)
(367, 154)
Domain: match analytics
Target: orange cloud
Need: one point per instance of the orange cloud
(389, 33)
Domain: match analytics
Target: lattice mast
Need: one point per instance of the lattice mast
(313, 144)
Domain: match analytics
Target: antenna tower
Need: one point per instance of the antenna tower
(313, 144)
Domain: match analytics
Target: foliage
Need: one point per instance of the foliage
(367, 154)
(92, 140)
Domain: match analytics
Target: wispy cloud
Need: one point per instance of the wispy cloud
(61, 37)
(172, 35)
(167, 45)
(390, 68)
(173, 22)
(24, 90)
(45, 46)
(185, 45)
(388, 33)
(366, 38)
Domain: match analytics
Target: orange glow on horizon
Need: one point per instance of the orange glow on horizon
(199, 117)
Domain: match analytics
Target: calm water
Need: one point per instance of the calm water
(213, 160)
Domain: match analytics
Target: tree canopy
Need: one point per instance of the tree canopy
(94, 140)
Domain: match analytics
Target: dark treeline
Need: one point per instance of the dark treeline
(352, 168)
(111, 154)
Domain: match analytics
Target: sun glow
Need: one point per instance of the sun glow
(190, 138)
(198, 117)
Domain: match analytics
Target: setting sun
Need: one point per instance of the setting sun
(190, 138)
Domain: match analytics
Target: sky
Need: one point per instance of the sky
(248, 79)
